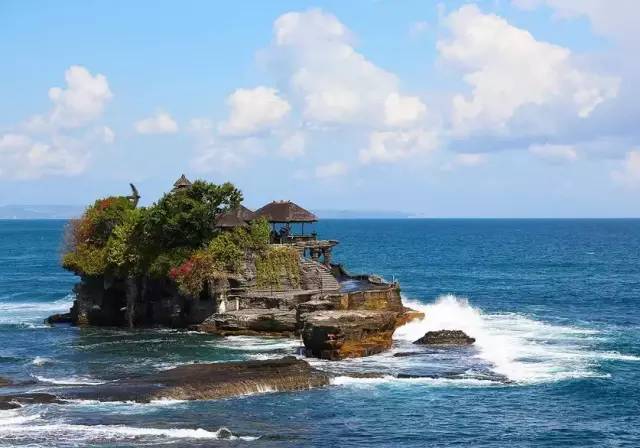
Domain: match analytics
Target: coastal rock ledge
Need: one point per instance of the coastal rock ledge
(210, 381)
(445, 337)
(343, 334)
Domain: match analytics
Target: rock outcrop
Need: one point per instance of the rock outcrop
(446, 337)
(15, 401)
(64, 318)
(210, 381)
(273, 322)
(348, 333)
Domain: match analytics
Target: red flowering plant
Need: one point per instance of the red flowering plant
(192, 274)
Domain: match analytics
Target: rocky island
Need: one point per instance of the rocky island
(197, 258)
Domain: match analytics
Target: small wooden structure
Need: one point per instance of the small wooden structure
(240, 216)
(286, 213)
(181, 183)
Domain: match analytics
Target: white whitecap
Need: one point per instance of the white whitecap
(518, 347)
(70, 381)
(394, 381)
(41, 361)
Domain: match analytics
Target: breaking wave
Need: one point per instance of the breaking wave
(32, 314)
(70, 381)
(257, 344)
(17, 425)
(41, 361)
(392, 380)
(517, 347)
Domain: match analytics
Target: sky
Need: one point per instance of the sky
(498, 108)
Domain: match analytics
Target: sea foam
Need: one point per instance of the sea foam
(16, 424)
(518, 347)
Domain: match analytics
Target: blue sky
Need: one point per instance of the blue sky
(523, 108)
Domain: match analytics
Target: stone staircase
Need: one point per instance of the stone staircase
(327, 281)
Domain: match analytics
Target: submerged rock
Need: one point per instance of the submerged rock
(348, 333)
(15, 401)
(445, 337)
(5, 382)
(211, 381)
(64, 318)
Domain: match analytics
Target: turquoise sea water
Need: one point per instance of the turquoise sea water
(553, 304)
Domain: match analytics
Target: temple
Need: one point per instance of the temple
(290, 288)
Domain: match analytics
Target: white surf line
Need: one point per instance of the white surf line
(520, 348)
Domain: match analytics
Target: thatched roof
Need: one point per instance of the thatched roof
(182, 182)
(237, 217)
(285, 211)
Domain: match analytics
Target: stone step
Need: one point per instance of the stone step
(329, 282)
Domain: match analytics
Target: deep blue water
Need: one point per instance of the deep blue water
(554, 305)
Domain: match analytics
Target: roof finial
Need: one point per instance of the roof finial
(181, 183)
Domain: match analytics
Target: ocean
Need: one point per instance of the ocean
(554, 306)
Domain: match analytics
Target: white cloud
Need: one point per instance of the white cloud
(293, 145)
(82, 101)
(330, 170)
(160, 123)
(393, 146)
(334, 83)
(629, 174)
(221, 154)
(59, 142)
(403, 110)
(24, 158)
(617, 20)
(507, 68)
(555, 153)
(253, 110)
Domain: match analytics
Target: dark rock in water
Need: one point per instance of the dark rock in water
(224, 434)
(210, 381)
(348, 333)
(407, 354)
(446, 337)
(15, 401)
(5, 382)
(6, 405)
(64, 318)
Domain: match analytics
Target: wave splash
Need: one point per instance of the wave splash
(14, 425)
(520, 348)
(32, 314)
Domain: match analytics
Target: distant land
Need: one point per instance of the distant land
(361, 214)
(40, 211)
(73, 211)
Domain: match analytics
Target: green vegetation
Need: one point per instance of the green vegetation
(225, 255)
(174, 237)
(275, 263)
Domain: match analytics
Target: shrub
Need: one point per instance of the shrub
(192, 275)
(176, 236)
(123, 247)
(162, 264)
(86, 259)
(278, 262)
